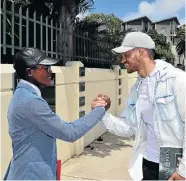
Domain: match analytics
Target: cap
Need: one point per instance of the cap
(29, 57)
(135, 40)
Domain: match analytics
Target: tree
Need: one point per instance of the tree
(107, 31)
(180, 47)
(61, 11)
(163, 48)
(111, 30)
(52, 8)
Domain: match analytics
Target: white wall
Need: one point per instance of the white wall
(67, 102)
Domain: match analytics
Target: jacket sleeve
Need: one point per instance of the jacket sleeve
(179, 89)
(40, 114)
(126, 125)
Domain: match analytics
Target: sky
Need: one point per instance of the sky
(130, 9)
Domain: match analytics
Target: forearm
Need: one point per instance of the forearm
(81, 126)
(51, 124)
(117, 126)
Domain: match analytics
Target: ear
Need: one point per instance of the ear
(28, 72)
(140, 54)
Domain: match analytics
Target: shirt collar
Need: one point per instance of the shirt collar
(33, 86)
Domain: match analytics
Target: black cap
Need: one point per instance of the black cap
(30, 57)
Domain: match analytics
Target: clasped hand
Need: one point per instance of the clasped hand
(101, 101)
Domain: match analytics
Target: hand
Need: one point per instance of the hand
(98, 102)
(176, 176)
(106, 99)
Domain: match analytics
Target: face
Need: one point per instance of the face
(131, 60)
(41, 74)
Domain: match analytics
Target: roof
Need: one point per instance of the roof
(143, 17)
(168, 19)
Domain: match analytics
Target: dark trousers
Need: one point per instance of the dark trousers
(150, 170)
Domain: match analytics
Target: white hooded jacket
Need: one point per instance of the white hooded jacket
(168, 94)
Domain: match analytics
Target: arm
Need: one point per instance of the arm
(179, 89)
(40, 114)
(124, 126)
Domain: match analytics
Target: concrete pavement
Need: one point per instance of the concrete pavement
(105, 159)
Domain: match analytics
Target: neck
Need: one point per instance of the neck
(147, 68)
(35, 83)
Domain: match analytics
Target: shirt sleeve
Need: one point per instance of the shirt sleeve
(40, 114)
(179, 89)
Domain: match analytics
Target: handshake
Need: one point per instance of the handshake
(101, 100)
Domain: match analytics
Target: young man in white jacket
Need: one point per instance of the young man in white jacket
(155, 108)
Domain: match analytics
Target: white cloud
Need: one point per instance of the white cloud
(157, 10)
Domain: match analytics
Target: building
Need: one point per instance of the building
(168, 27)
(138, 24)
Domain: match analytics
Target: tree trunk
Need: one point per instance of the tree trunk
(65, 37)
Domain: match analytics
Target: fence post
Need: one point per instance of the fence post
(117, 71)
(79, 102)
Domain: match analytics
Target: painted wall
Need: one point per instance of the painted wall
(67, 102)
